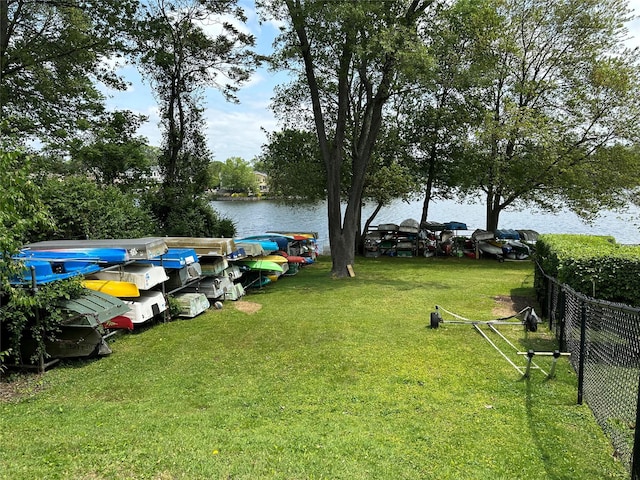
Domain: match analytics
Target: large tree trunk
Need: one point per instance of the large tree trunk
(343, 231)
(429, 189)
(493, 209)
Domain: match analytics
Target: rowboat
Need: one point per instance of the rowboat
(192, 304)
(516, 250)
(82, 332)
(212, 287)
(204, 245)
(251, 249)
(144, 277)
(281, 240)
(118, 323)
(213, 265)
(235, 292)
(279, 259)
(507, 234)
(99, 255)
(267, 245)
(40, 272)
(233, 272)
(296, 235)
(148, 305)
(490, 247)
(136, 248)
(410, 226)
(174, 258)
(179, 277)
(482, 235)
(115, 288)
(296, 259)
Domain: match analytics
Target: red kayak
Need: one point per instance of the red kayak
(119, 322)
(292, 258)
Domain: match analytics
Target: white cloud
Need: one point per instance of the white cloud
(237, 133)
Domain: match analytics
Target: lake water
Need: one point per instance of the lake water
(260, 216)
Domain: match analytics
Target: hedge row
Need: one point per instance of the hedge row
(596, 266)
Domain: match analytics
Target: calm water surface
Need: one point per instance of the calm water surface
(256, 217)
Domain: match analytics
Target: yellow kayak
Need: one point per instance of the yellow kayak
(115, 288)
(273, 258)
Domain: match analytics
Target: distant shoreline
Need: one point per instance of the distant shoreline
(229, 198)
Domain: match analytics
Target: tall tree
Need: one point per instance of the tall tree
(237, 176)
(51, 54)
(292, 161)
(441, 107)
(563, 97)
(186, 46)
(351, 53)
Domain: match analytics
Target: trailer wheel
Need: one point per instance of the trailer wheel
(435, 319)
(531, 321)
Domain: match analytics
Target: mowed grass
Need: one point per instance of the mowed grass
(330, 379)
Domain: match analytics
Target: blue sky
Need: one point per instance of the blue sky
(237, 130)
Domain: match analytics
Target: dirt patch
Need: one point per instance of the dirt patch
(247, 307)
(17, 387)
(510, 305)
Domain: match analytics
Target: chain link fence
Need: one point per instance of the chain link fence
(604, 341)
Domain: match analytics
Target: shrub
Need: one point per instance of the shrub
(593, 265)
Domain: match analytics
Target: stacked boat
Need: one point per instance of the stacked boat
(131, 282)
(274, 254)
(448, 238)
(505, 244)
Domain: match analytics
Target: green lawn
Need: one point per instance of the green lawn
(335, 379)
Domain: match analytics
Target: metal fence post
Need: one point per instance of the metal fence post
(561, 321)
(583, 342)
(635, 462)
(549, 298)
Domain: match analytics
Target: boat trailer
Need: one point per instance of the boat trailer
(528, 319)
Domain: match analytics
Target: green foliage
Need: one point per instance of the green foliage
(593, 265)
(293, 163)
(196, 218)
(237, 176)
(347, 57)
(562, 103)
(51, 53)
(4, 354)
(173, 306)
(215, 172)
(31, 318)
(180, 57)
(83, 209)
(111, 153)
(442, 105)
(21, 208)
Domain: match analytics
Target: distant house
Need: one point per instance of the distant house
(154, 175)
(263, 182)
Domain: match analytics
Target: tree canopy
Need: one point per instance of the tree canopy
(237, 176)
(185, 46)
(52, 55)
(348, 55)
(562, 104)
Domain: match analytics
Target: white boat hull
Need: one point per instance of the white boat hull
(144, 277)
(147, 306)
